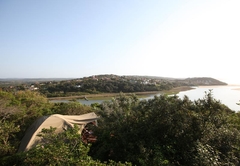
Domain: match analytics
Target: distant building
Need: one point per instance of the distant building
(32, 87)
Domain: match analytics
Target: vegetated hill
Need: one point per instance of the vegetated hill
(194, 81)
(108, 84)
(151, 77)
(188, 81)
(197, 81)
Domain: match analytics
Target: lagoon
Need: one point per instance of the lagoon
(228, 95)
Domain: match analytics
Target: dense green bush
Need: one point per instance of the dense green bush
(167, 131)
(17, 112)
(58, 149)
(71, 108)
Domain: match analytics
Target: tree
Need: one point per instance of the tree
(64, 148)
(166, 130)
(71, 108)
(18, 111)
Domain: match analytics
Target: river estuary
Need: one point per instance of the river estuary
(228, 95)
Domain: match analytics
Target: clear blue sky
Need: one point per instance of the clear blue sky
(77, 38)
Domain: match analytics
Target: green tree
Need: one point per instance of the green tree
(18, 111)
(64, 148)
(166, 130)
(71, 108)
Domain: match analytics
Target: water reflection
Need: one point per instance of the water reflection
(228, 95)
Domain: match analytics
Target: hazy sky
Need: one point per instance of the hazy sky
(77, 38)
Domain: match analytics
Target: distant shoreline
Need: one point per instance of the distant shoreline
(105, 95)
(220, 86)
(102, 95)
(237, 89)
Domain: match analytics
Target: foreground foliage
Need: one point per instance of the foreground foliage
(168, 131)
(165, 130)
(57, 149)
(19, 110)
